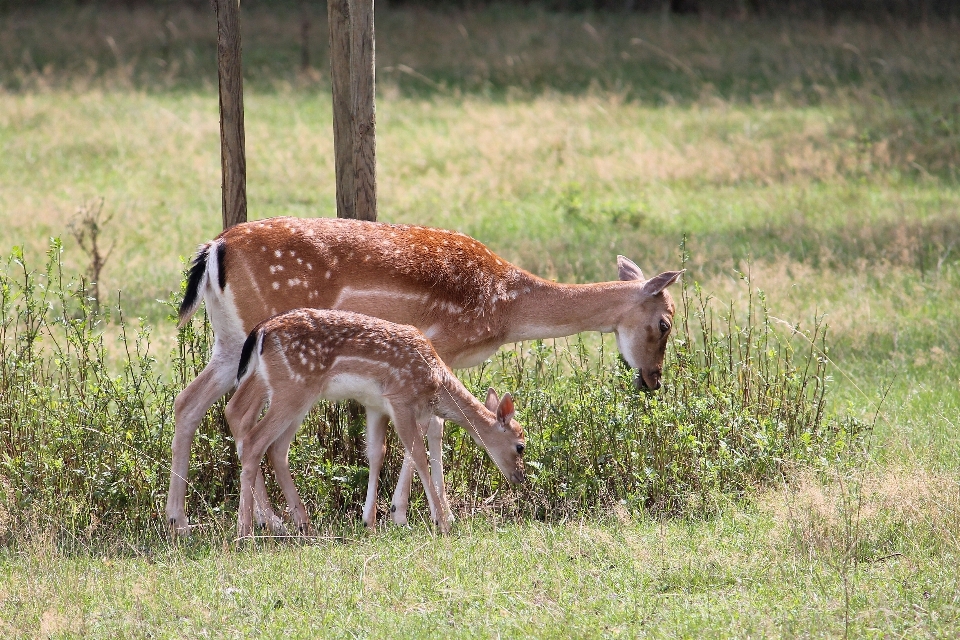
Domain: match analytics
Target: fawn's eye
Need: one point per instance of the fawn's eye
(664, 326)
(520, 449)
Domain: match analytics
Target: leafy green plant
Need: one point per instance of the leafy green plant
(86, 425)
(742, 406)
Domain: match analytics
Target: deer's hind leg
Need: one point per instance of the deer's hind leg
(191, 404)
(242, 412)
(279, 456)
(280, 423)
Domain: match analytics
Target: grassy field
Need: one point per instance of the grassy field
(820, 158)
(769, 570)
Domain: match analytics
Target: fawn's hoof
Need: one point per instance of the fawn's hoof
(398, 516)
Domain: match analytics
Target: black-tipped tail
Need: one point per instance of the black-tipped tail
(191, 299)
(247, 352)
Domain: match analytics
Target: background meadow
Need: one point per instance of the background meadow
(804, 172)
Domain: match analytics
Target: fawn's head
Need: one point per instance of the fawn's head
(508, 441)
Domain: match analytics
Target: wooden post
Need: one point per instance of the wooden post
(362, 65)
(338, 17)
(233, 162)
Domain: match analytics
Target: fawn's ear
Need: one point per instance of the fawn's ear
(493, 400)
(658, 283)
(505, 409)
(628, 269)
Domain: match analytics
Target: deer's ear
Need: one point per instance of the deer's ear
(628, 269)
(493, 400)
(505, 410)
(658, 283)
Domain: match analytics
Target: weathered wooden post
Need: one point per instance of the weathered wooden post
(362, 73)
(338, 18)
(354, 116)
(233, 161)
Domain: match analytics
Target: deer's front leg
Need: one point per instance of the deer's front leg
(376, 451)
(435, 446)
(411, 435)
(401, 494)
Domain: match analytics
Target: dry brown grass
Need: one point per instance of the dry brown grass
(876, 514)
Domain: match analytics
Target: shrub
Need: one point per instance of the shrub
(85, 427)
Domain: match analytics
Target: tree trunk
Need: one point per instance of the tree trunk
(364, 113)
(233, 162)
(338, 16)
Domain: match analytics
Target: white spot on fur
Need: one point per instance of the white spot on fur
(276, 285)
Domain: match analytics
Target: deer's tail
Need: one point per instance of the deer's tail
(250, 354)
(210, 258)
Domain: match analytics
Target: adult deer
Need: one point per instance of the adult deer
(463, 297)
(294, 358)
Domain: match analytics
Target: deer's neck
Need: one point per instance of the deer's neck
(553, 310)
(458, 405)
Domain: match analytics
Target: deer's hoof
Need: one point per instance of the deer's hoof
(178, 527)
(398, 516)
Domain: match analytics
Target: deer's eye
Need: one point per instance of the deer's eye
(664, 327)
(520, 449)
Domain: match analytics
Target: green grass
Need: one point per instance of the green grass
(744, 573)
(820, 158)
